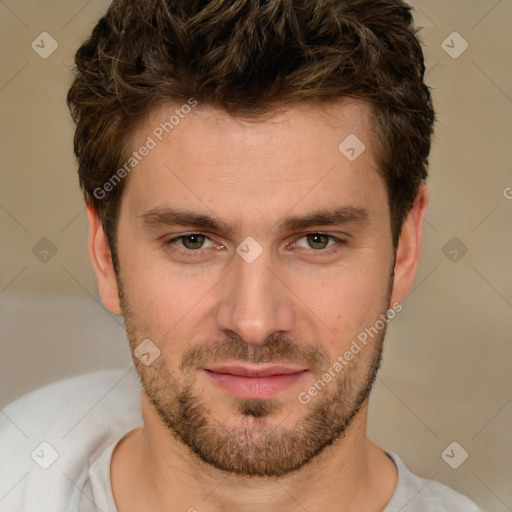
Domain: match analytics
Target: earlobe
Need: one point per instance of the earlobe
(101, 260)
(409, 247)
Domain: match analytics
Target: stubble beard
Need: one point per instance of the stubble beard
(254, 445)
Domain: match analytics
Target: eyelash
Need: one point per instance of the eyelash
(199, 252)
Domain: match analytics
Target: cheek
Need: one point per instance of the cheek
(347, 300)
(165, 299)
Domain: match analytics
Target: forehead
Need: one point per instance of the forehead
(293, 131)
(299, 154)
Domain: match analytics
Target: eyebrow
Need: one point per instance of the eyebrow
(157, 217)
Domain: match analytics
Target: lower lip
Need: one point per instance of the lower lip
(255, 388)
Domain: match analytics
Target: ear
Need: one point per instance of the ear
(101, 259)
(409, 247)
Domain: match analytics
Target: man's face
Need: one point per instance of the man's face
(251, 312)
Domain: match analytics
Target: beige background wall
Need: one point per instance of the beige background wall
(447, 374)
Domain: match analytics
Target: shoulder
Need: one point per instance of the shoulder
(48, 436)
(416, 494)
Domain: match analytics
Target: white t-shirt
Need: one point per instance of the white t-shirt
(56, 445)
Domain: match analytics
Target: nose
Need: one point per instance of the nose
(255, 303)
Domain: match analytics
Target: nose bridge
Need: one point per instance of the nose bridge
(255, 304)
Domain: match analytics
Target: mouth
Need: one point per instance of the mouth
(256, 382)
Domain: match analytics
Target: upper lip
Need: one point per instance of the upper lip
(259, 370)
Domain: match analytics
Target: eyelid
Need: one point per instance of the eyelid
(173, 239)
(331, 237)
(318, 253)
(315, 252)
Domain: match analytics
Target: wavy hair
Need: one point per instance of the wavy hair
(248, 57)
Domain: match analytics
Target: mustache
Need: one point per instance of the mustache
(275, 349)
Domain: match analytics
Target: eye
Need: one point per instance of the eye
(198, 244)
(317, 241)
(192, 242)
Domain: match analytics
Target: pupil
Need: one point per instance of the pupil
(317, 239)
(197, 241)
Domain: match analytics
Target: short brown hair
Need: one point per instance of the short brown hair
(246, 57)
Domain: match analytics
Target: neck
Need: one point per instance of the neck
(153, 470)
